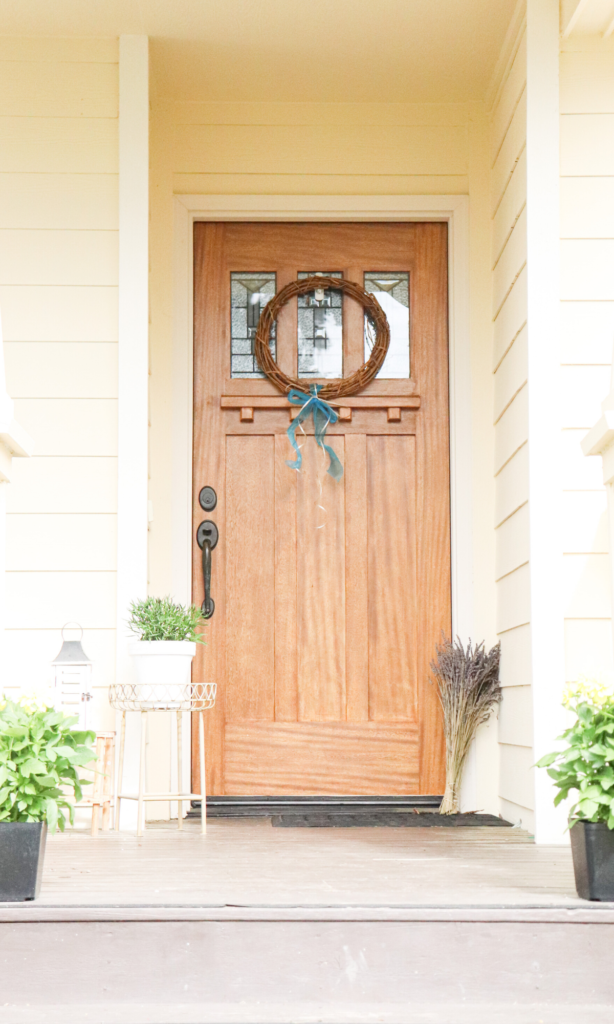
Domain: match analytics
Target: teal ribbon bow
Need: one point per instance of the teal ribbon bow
(323, 414)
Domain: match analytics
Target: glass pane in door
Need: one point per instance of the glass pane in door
(320, 330)
(249, 294)
(391, 290)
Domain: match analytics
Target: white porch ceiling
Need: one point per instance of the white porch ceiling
(324, 50)
(587, 17)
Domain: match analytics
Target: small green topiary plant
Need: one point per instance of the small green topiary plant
(586, 764)
(159, 618)
(39, 756)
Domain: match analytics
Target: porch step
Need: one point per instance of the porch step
(265, 806)
(343, 965)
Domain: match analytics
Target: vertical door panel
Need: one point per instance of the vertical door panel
(392, 578)
(320, 586)
(250, 577)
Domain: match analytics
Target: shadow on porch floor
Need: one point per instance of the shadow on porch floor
(247, 862)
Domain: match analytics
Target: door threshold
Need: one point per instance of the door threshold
(266, 806)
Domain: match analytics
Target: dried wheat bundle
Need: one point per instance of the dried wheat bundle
(468, 685)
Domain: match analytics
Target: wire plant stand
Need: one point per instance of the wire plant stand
(177, 697)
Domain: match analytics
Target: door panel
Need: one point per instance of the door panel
(330, 597)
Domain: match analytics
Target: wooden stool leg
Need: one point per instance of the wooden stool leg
(140, 809)
(109, 751)
(203, 782)
(120, 768)
(179, 772)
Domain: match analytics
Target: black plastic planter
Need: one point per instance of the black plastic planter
(592, 846)
(22, 852)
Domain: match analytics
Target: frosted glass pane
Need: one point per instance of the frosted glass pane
(320, 330)
(392, 292)
(249, 293)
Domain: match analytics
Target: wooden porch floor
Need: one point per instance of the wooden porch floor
(248, 863)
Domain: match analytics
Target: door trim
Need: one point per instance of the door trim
(454, 210)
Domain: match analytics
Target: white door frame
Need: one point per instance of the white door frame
(454, 210)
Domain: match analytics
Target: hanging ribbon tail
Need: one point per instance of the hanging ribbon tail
(323, 414)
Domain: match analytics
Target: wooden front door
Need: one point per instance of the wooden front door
(330, 597)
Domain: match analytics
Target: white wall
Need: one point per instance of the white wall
(58, 294)
(587, 338)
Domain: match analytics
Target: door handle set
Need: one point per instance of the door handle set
(207, 537)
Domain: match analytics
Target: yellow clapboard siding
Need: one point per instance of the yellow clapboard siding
(516, 774)
(64, 543)
(511, 317)
(47, 145)
(587, 144)
(46, 600)
(58, 257)
(587, 207)
(587, 82)
(509, 155)
(514, 599)
(516, 656)
(516, 716)
(320, 184)
(577, 472)
(512, 542)
(510, 208)
(55, 313)
(511, 373)
(512, 488)
(586, 269)
(510, 262)
(586, 586)
(582, 390)
(512, 429)
(587, 332)
(61, 201)
(63, 484)
(39, 89)
(511, 94)
(54, 369)
(322, 149)
(584, 522)
(196, 112)
(588, 648)
(70, 426)
(55, 50)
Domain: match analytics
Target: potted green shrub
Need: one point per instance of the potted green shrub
(168, 634)
(585, 767)
(40, 753)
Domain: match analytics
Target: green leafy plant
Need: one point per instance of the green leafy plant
(159, 618)
(586, 764)
(39, 756)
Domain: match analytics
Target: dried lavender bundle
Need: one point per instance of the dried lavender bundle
(468, 685)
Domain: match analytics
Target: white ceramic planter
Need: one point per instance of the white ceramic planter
(162, 661)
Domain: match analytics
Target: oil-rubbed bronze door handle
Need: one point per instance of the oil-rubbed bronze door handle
(207, 537)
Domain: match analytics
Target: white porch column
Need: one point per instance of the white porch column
(600, 441)
(133, 363)
(543, 295)
(13, 442)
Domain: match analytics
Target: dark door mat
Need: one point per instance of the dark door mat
(265, 806)
(386, 819)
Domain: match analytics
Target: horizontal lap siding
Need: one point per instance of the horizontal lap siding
(587, 336)
(58, 295)
(510, 416)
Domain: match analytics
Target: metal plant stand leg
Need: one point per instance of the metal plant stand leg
(192, 697)
(179, 771)
(120, 769)
(141, 810)
(203, 782)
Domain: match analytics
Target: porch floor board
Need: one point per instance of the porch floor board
(248, 863)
